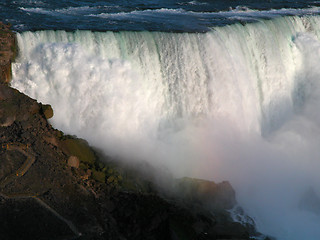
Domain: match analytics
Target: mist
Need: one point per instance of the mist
(238, 103)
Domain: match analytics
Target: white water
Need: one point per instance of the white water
(239, 13)
(239, 103)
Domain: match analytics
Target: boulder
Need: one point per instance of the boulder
(47, 111)
(73, 161)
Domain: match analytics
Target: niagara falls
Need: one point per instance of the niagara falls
(229, 93)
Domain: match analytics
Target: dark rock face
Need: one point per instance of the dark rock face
(7, 52)
(15, 107)
(151, 217)
(42, 197)
(26, 218)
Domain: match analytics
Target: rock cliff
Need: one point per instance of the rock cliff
(7, 52)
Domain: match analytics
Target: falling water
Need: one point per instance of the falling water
(238, 103)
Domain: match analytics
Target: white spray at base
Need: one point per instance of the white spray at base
(239, 103)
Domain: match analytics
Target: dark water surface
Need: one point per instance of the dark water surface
(147, 15)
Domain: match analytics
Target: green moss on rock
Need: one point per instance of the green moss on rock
(80, 149)
(98, 176)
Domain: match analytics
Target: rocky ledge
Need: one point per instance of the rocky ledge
(54, 186)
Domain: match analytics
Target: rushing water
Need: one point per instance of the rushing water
(150, 15)
(208, 89)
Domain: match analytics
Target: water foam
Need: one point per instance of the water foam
(237, 13)
(237, 103)
(84, 10)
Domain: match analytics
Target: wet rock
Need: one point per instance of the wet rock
(216, 196)
(228, 230)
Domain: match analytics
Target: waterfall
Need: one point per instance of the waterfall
(237, 103)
